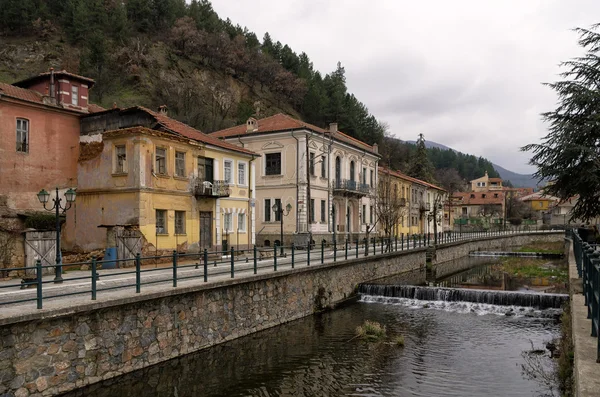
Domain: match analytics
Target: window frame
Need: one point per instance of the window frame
(371, 214)
(323, 167)
(158, 161)
(371, 178)
(120, 166)
(241, 216)
(311, 163)
(267, 208)
(180, 229)
(180, 160)
(364, 176)
(74, 95)
(20, 144)
(227, 216)
(165, 221)
(364, 214)
(323, 210)
(267, 171)
(232, 179)
(278, 214)
(242, 181)
(312, 211)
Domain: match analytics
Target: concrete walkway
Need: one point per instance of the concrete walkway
(586, 370)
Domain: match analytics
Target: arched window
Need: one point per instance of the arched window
(352, 171)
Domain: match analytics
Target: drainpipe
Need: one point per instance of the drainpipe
(52, 88)
(297, 178)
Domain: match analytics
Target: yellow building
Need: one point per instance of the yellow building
(400, 188)
(540, 202)
(177, 187)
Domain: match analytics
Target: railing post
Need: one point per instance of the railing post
(322, 251)
(402, 242)
(396, 241)
(346, 252)
(205, 265)
(356, 248)
(233, 261)
(138, 269)
(382, 242)
(334, 250)
(293, 249)
(275, 257)
(254, 260)
(414, 241)
(374, 246)
(308, 253)
(38, 274)
(174, 268)
(93, 278)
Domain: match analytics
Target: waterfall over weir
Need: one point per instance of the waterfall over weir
(501, 298)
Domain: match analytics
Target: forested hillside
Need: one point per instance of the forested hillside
(210, 72)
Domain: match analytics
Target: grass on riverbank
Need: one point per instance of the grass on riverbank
(555, 247)
(535, 268)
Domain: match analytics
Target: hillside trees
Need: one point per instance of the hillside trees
(569, 156)
(420, 166)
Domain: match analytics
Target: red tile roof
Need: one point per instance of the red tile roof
(398, 174)
(283, 122)
(28, 81)
(93, 108)
(20, 93)
(495, 179)
(192, 133)
(466, 199)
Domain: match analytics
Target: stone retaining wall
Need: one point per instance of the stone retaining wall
(47, 353)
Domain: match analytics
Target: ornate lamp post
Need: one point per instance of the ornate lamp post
(44, 196)
(278, 209)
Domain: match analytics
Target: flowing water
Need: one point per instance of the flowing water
(451, 349)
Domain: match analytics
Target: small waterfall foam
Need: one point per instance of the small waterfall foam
(464, 300)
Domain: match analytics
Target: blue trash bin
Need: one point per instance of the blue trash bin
(110, 256)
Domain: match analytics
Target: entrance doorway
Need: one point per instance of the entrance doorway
(205, 229)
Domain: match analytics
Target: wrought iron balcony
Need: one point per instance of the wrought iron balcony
(346, 186)
(423, 206)
(204, 188)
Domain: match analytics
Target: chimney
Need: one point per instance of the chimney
(375, 148)
(52, 89)
(163, 110)
(114, 105)
(251, 125)
(333, 128)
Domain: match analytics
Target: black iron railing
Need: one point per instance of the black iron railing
(350, 186)
(207, 188)
(175, 268)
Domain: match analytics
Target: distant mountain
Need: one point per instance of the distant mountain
(518, 180)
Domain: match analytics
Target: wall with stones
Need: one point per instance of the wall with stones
(50, 352)
(455, 250)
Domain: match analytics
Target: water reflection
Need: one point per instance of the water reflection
(446, 354)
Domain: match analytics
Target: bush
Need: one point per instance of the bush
(399, 341)
(42, 221)
(371, 331)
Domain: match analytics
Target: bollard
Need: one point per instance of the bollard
(93, 278)
(174, 268)
(38, 273)
(232, 262)
(138, 270)
(205, 265)
(255, 264)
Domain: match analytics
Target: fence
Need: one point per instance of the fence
(135, 272)
(587, 259)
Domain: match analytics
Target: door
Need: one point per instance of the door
(205, 229)
(338, 171)
(208, 169)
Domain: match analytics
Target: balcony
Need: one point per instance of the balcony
(424, 207)
(215, 189)
(402, 202)
(350, 188)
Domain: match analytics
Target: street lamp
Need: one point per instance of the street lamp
(44, 196)
(278, 209)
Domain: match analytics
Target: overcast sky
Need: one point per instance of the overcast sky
(466, 73)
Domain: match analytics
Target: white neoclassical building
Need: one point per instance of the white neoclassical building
(324, 180)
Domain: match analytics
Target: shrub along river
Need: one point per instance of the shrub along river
(452, 348)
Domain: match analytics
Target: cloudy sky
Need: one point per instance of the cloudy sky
(466, 73)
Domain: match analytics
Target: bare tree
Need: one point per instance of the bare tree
(390, 209)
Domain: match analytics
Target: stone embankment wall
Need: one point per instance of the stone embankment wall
(50, 352)
(451, 251)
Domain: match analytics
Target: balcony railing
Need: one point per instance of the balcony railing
(204, 188)
(349, 186)
(402, 202)
(423, 206)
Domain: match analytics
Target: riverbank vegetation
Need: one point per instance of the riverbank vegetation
(544, 247)
(372, 331)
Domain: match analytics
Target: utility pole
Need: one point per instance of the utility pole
(308, 209)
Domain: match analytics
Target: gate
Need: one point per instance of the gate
(205, 229)
(128, 243)
(42, 246)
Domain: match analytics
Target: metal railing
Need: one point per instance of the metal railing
(207, 188)
(347, 185)
(587, 259)
(209, 265)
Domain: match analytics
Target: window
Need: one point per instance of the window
(241, 173)
(242, 222)
(352, 171)
(472, 196)
(161, 222)
(495, 195)
(161, 161)
(179, 222)
(464, 210)
(312, 163)
(267, 210)
(228, 222)
(180, 164)
(323, 167)
(371, 178)
(323, 211)
(312, 210)
(278, 212)
(371, 214)
(364, 214)
(364, 176)
(228, 172)
(75, 95)
(22, 135)
(121, 159)
(205, 169)
(483, 195)
(273, 164)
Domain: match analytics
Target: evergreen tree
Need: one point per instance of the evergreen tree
(420, 166)
(569, 156)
